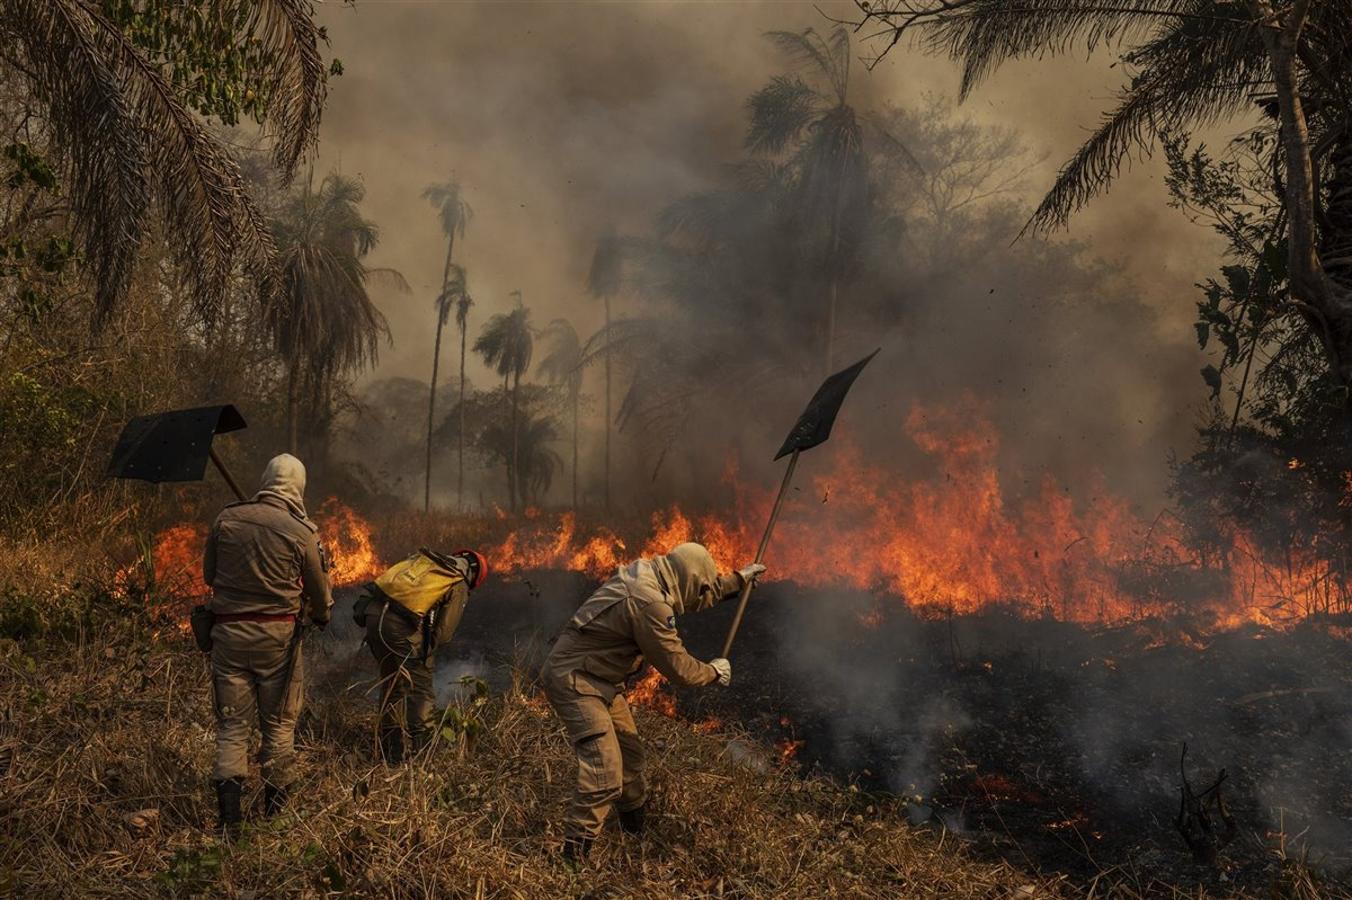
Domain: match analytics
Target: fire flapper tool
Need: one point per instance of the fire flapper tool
(175, 445)
(812, 428)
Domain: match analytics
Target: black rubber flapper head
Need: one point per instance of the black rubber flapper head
(171, 446)
(814, 425)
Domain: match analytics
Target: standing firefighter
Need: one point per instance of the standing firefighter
(264, 563)
(630, 618)
(409, 611)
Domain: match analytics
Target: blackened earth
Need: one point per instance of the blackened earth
(1054, 746)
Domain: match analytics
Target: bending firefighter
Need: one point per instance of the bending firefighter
(263, 563)
(632, 617)
(409, 611)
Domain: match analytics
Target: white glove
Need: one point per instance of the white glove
(724, 670)
(750, 573)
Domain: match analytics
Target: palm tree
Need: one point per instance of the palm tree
(462, 305)
(454, 294)
(455, 214)
(537, 460)
(604, 280)
(322, 320)
(1189, 64)
(123, 121)
(831, 189)
(562, 365)
(506, 345)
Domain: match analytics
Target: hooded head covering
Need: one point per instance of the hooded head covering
(691, 577)
(284, 480)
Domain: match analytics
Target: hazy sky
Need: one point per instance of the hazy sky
(561, 118)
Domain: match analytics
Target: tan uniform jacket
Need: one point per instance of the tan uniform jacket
(620, 626)
(260, 558)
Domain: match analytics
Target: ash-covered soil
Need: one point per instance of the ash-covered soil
(1053, 746)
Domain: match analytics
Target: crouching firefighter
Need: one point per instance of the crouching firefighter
(629, 619)
(266, 568)
(409, 611)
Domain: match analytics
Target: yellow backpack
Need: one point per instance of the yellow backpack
(419, 583)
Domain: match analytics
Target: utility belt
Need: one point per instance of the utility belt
(203, 620)
(254, 617)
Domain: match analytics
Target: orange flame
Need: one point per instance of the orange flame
(346, 537)
(649, 692)
(954, 542)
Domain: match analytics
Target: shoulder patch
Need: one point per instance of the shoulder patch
(671, 621)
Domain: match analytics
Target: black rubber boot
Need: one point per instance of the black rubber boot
(575, 851)
(274, 799)
(229, 817)
(392, 746)
(632, 821)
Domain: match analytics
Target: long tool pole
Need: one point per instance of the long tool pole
(760, 554)
(225, 473)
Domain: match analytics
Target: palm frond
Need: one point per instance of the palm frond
(983, 34)
(1194, 73)
(779, 112)
(562, 362)
(449, 200)
(830, 58)
(130, 145)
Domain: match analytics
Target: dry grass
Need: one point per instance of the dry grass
(118, 722)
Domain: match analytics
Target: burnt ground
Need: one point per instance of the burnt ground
(1053, 746)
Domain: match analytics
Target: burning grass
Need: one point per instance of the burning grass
(106, 794)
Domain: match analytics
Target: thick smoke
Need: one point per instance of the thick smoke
(573, 119)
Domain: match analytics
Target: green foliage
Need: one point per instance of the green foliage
(463, 723)
(30, 167)
(192, 871)
(43, 439)
(206, 52)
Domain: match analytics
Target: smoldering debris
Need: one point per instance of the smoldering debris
(1053, 744)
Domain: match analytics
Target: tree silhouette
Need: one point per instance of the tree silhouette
(506, 345)
(562, 365)
(322, 320)
(455, 214)
(604, 281)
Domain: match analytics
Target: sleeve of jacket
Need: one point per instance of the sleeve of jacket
(448, 616)
(729, 586)
(656, 636)
(209, 554)
(314, 582)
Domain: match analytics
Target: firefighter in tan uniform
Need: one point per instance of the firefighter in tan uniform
(629, 619)
(265, 567)
(409, 611)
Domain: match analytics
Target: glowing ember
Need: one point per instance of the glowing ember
(649, 693)
(788, 749)
(709, 726)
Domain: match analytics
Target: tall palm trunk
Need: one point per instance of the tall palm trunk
(516, 459)
(606, 473)
(460, 472)
(577, 392)
(511, 484)
(442, 312)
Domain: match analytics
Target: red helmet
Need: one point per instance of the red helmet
(478, 566)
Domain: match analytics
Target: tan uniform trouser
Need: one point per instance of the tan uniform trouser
(610, 758)
(407, 695)
(249, 665)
